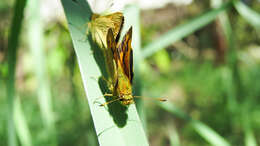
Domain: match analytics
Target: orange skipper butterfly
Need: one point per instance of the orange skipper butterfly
(123, 57)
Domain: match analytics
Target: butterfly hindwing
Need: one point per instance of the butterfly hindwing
(111, 44)
(100, 24)
(118, 21)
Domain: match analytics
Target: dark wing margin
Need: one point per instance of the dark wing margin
(120, 29)
(118, 22)
(131, 66)
(126, 54)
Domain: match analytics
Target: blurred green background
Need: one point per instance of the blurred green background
(210, 76)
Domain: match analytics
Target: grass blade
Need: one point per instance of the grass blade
(249, 139)
(250, 15)
(13, 41)
(183, 30)
(115, 125)
(224, 22)
(203, 130)
(208, 134)
(21, 125)
(173, 136)
(35, 38)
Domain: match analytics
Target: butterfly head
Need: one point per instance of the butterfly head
(126, 99)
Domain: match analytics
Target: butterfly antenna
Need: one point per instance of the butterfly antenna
(159, 99)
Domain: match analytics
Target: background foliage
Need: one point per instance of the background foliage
(203, 57)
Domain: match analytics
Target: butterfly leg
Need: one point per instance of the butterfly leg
(105, 95)
(102, 77)
(111, 101)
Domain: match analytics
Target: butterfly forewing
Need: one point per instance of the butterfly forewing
(125, 53)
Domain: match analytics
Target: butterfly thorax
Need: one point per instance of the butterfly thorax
(124, 88)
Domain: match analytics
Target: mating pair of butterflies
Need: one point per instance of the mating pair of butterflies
(105, 31)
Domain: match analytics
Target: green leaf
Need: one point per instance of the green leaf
(21, 124)
(35, 38)
(208, 134)
(203, 130)
(173, 136)
(163, 61)
(36, 45)
(224, 22)
(249, 138)
(183, 30)
(116, 125)
(13, 42)
(250, 15)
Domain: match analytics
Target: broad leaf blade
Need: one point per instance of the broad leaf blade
(121, 127)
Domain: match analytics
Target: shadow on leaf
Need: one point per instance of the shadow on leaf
(115, 109)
